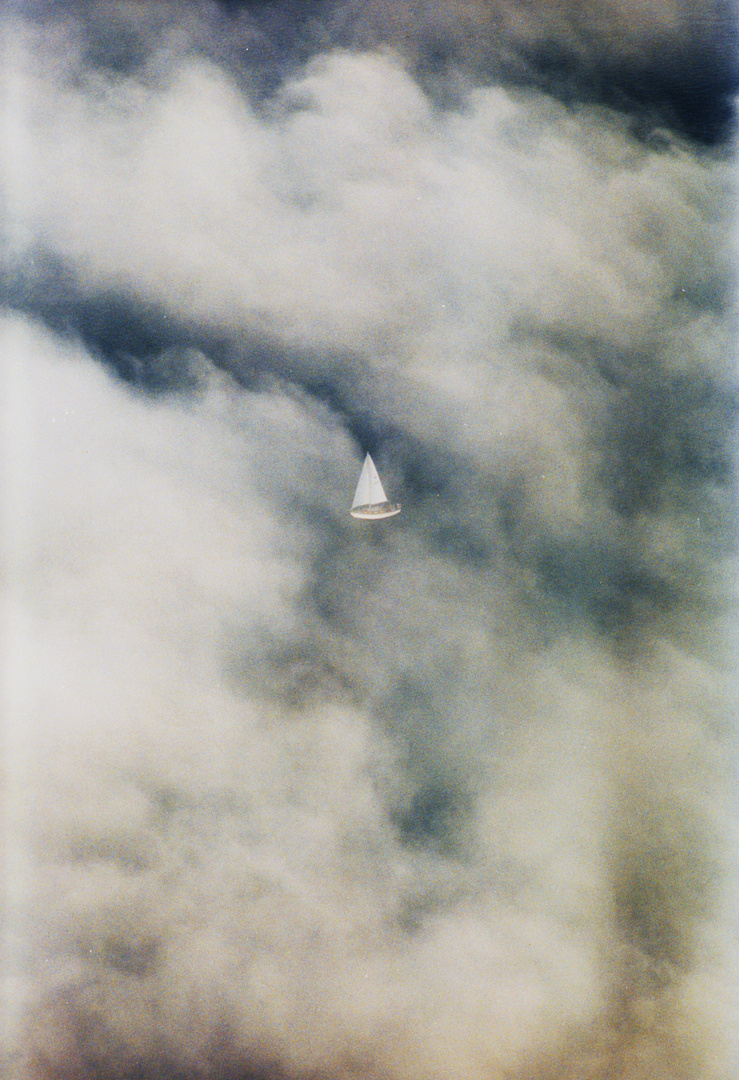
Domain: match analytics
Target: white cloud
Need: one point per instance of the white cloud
(374, 802)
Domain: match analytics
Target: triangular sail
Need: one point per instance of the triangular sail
(370, 500)
(369, 489)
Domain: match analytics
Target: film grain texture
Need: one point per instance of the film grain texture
(290, 796)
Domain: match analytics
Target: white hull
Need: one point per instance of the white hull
(375, 510)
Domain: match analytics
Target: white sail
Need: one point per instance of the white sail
(369, 489)
(370, 500)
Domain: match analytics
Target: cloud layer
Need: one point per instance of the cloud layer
(286, 795)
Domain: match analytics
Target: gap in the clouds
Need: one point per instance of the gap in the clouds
(620, 590)
(660, 444)
(693, 93)
(147, 347)
(609, 587)
(669, 444)
(690, 97)
(433, 816)
(219, 1059)
(260, 42)
(158, 353)
(660, 447)
(119, 45)
(687, 88)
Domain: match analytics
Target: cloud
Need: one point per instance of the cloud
(671, 63)
(287, 795)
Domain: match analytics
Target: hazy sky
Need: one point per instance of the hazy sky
(290, 795)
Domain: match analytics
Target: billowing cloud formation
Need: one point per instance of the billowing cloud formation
(660, 59)
(286, 795)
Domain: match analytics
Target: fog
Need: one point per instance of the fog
(286, 794)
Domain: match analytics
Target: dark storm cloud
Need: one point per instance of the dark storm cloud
(669, 63)
(259, 43)
(289, 797)
(672, 63)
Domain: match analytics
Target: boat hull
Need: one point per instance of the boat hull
(373, 511)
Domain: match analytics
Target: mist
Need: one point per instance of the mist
(287, 794)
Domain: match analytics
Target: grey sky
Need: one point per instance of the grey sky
(285, 793)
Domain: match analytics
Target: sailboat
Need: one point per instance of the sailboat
(370, 500)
